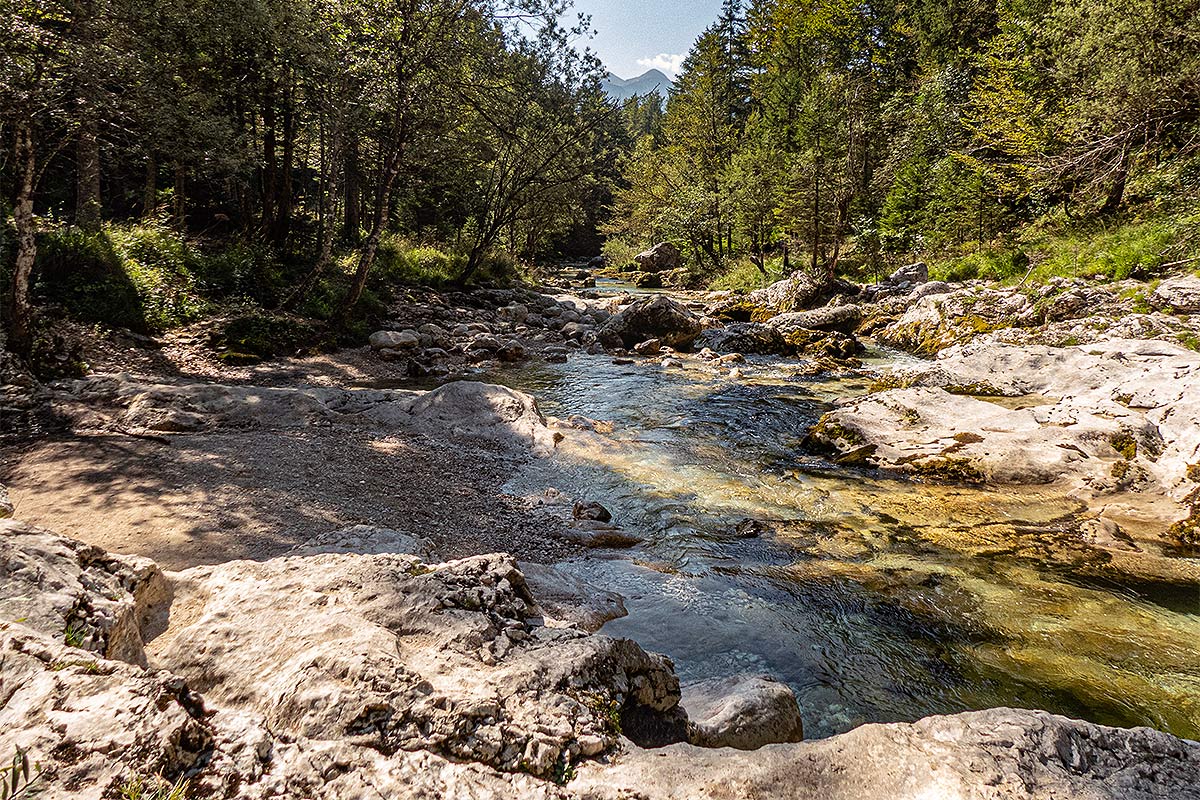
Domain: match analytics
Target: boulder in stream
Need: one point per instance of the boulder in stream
(658, 317)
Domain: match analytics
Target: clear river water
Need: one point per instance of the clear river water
(877, 599)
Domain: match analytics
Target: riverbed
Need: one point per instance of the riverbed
(877, 599)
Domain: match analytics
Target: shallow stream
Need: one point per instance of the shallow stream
(876, 599)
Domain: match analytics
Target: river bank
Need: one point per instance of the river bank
(750, 546)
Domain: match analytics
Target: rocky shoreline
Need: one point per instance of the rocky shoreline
(414, 662)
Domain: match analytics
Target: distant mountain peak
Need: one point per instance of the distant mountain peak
(623, 88)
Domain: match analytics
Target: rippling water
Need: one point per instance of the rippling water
(877, 599)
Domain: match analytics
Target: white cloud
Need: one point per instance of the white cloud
(667, 62)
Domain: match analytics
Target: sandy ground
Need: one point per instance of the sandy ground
(206, 498)
(187, 499)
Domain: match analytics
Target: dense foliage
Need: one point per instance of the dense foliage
(829, 134)
(306, 135)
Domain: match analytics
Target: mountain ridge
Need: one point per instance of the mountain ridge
(622, 88)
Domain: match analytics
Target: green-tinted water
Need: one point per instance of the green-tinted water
(877, 599)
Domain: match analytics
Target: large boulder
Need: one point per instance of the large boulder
(1181, 295)
(745, 337)
(394, 340)
(662, 257)
(78, 593)
(800, 291)
(483, 411)
(909, 274)
(844, 318)
(388, 652)
(744, 711)
(657, 317)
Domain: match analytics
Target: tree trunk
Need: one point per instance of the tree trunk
(366, 257)
(179, 202)
(283, 205)
(353, 194)
(1116, 192)
(269, 182)
(150, 188)
(20, 309)
(328, 228)
(87, 178)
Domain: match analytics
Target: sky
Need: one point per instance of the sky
(632, 36)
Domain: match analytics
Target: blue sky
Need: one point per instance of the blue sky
(631, 36)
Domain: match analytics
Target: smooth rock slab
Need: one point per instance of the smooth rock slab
(998, 754)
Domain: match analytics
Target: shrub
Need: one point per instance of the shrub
(742, 276)
(254, 337)
(400, 261)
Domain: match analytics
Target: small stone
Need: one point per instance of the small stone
(591, 510)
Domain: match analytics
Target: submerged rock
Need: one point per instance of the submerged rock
(571, 601)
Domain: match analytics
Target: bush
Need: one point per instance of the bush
(137, 277)
(149, 278)
(618, 253)
(254, 337)
(1129, 248)
(742, 276)
(401, 261)
(992, 264)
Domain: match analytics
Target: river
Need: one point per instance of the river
(877, 599)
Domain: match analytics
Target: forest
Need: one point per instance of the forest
(163, 160)
(842, 135)
(160, 156)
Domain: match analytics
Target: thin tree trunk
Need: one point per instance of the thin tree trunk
(150, 188)
(366, 257)
(283, 205)
(353, 194)
(328, 228)
(1116, 192)
(269, 187)
(20, 334)
(87, 179)
(179, 204)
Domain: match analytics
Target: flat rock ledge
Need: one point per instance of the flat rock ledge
(326, 673)
(1118, 415)
(460, 409)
